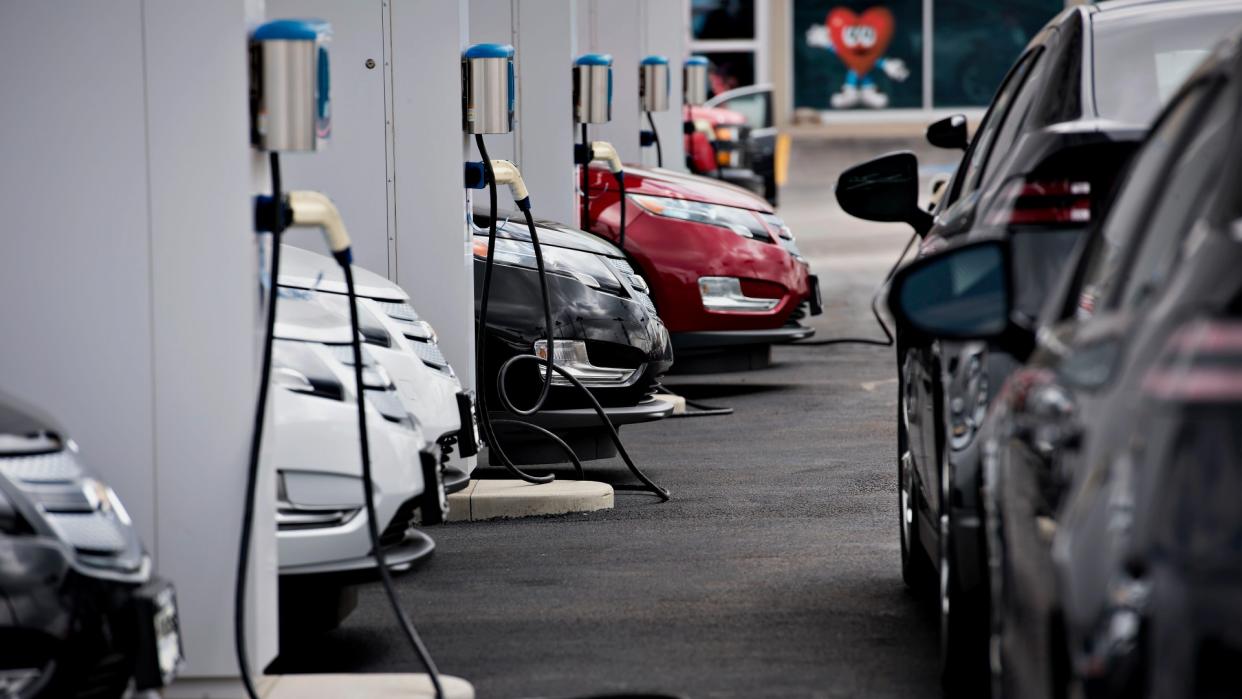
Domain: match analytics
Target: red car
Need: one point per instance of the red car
(725, 273)
(733, 137)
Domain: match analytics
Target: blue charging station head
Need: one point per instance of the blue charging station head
(594, 59)
(292, 30)
(696, 61)
(654, 61)
(489, 51)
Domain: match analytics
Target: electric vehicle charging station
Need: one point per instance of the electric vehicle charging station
(653, 94)
(694, 78)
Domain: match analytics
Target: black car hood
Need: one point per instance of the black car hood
(553, 234)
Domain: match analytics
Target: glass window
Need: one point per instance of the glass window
(755, 106)
(975, 42)
(722, 19)
(1130, 209)
(858, 54)
(991, 126)
(729, 69)
(1150, 50)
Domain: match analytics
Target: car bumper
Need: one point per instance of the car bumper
(413, 548)
(710, 341)
(618, 332)
(673, 255)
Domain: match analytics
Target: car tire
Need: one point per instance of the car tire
(916, 568)
(964, 628)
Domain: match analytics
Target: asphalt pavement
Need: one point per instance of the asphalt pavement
(773, 571)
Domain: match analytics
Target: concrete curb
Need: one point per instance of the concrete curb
(496, 499)
(363, 686)
(679, 402)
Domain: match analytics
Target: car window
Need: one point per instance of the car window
(1188, 187)
(1141, 55)
(984, 139)
(756, 107)
(1124, 224)
(1014, 123)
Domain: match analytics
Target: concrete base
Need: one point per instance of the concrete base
(363, 686)
(678, 402)
(494, 499)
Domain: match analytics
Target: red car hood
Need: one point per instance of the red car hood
(678, 185)
(716, 116)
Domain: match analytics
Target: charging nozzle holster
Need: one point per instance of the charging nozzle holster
(646, 138)
(583, 154)
(266, 209)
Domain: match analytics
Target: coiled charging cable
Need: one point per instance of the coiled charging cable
(549, 364)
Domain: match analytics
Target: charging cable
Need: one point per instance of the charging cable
(604, 151)
(311, 209)
(277, 227)
(502, 172)
(655, 140)
(875, 311)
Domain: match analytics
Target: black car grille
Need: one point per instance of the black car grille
(394, 533)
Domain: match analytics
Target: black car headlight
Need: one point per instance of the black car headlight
(743, 222)
(296, 367)
(586, 267)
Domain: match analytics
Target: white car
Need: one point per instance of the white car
(323, 543)
(406, 346)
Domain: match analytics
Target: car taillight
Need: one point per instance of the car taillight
(1042, 202)
(1201, 363)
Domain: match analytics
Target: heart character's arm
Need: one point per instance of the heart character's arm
(895, 68)
(817, 36)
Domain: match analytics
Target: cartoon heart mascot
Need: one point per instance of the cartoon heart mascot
(860, 41)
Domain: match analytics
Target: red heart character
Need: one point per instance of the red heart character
(860, 40)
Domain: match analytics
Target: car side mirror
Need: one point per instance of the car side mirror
(949, 132)
(885, 189)
(962, 293)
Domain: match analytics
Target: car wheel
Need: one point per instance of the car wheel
(916, 569)
(964, 637)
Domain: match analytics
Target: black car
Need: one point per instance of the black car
(607, 335)
(1039, 172)
(80, 612)
(1113, 458)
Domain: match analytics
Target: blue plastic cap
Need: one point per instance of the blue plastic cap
(654, 61)
(489, 51)
(292, 30)
(696, 61)
(594, 59)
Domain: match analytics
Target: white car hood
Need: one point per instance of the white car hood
(310, 270)
(301, 317)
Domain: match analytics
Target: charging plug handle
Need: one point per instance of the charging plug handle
(603, 150)
(507, 173)
(311, 208)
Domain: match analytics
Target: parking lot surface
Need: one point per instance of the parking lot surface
(774, 570)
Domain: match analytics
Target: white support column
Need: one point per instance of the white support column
(128, 185)
(616, 28)
(435, 263)
(546, 46)
(665, 35)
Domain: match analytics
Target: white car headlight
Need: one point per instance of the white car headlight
(725, 294)
(741, 221)
(571, 355)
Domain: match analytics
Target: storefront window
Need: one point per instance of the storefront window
(852, 55)
(975, 42)
(729, 70)
(722, 19)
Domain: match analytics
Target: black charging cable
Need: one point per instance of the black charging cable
(273, 217)
(256, 440)
(875, 311)
(407, 626)
(549, 364)
(655, 140)
(700, 409)
(621, 187)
